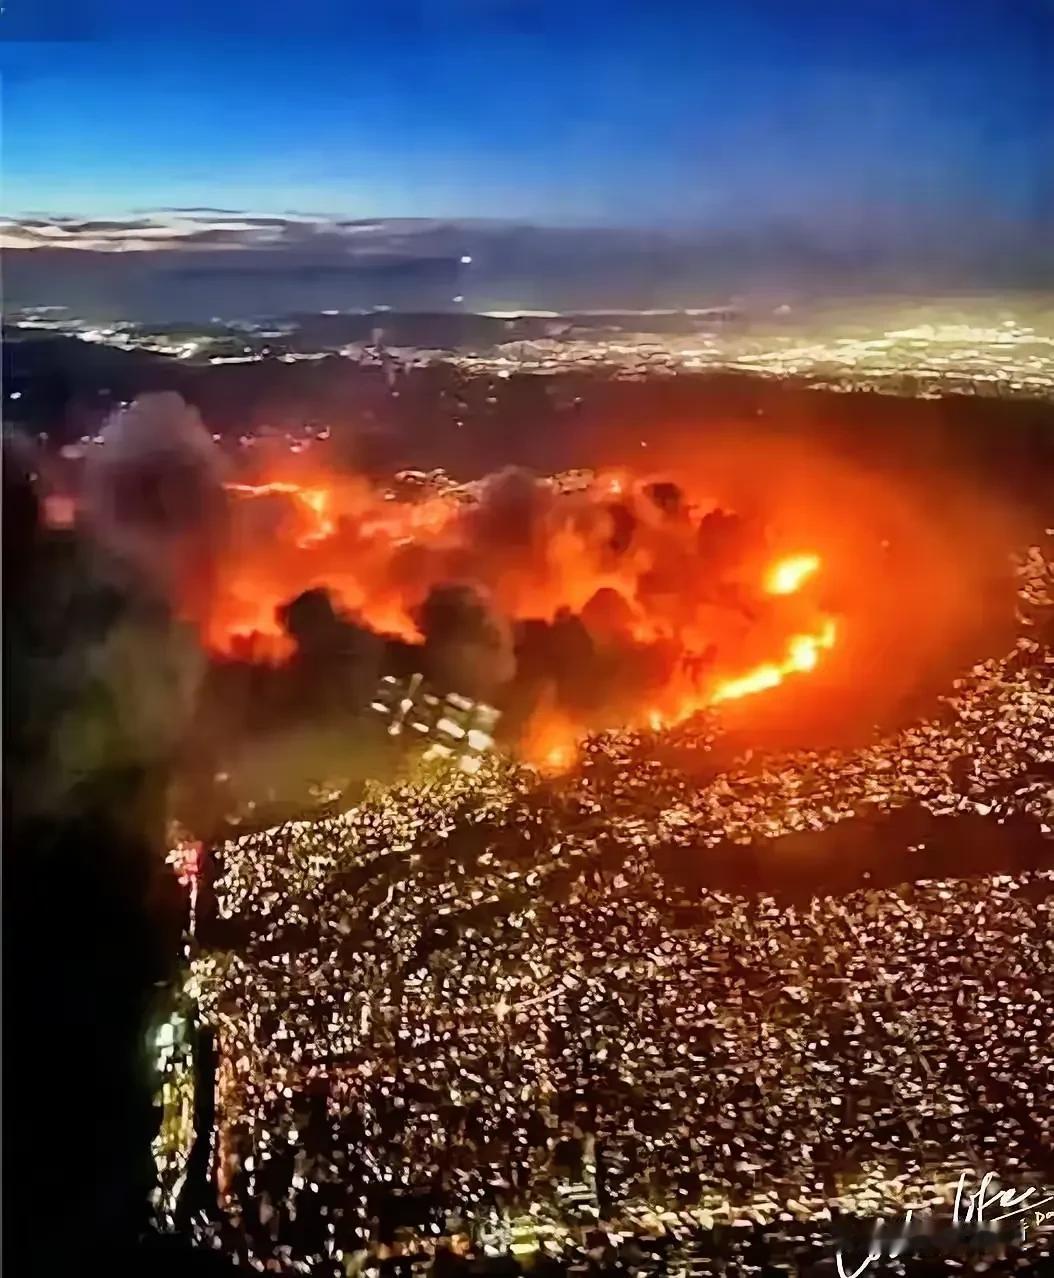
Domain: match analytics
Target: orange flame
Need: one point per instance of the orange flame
(803, 653)
(315, 502)
(787, 576)
(550, 740)
(380, 555)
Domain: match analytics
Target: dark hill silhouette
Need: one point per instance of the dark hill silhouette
(472, 426)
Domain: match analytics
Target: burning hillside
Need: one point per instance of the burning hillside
(582, 601)
(653, 599)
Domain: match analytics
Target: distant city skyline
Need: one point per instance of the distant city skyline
(876, 123)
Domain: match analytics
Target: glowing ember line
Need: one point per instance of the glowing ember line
(264, 490)
(803, 653)
(315, 500)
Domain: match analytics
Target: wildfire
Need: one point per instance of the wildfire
(314, 502)
(550, 740)
(623, 565)
(786, 576)
(803, 653)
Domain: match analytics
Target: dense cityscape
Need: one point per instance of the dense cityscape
(473, 1014)
(528, 639)
(987, 347)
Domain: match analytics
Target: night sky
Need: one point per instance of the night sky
(840, 119)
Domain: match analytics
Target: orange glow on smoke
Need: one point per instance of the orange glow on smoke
(603, 552)
(550, 740)
(315, 502)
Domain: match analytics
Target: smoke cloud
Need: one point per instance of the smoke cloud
(153, 495)
(467, 646)
(625, 596)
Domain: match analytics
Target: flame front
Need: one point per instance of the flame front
(632, 570)
(314, 502)
(787, 575)
(550, 740)
(803, 654)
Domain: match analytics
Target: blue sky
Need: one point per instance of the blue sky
(865, 117)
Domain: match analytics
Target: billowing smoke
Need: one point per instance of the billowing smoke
(337, 664)
(608, 598)
(467, 646)
(622, 597)
(153, 494)
(102, 679)
(511, 513)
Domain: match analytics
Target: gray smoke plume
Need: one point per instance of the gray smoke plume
(153, 495)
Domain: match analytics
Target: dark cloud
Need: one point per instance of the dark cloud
(239, 216)
(229, 236)
(302, 264)
(116, 225)
(205, 208)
